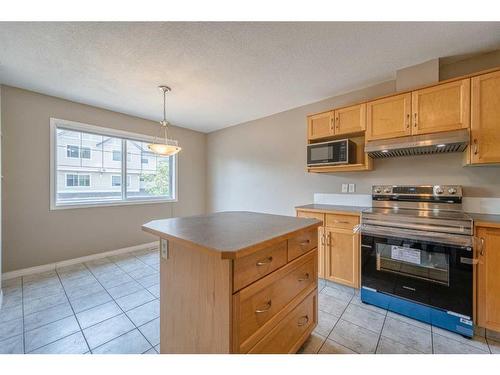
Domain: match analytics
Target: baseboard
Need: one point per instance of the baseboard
(69, 262)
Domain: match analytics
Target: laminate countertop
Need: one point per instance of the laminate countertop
(331, 208)
(234, 234)
(486, 220)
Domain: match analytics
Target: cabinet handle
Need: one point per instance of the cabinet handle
(304, 243)
(306, 277)
(332, 124)
(341, 222)
(408, 121)
(264, 261)
(482, 246)
(338, 123)
(329, 240)
(264, 309)
(415, 118)
(476, 146)
(303, 320)
(323, 239)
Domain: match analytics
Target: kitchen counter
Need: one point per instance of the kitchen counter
(237, 282)
(356, 210)
(232, 234)
(485, 220)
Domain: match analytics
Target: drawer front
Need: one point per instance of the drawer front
(341, 221)
(257, 265)
(302, 243)
(291, 332)
(311, 215)
(261, 301)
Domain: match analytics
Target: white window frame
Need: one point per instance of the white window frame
(116, 175)
(124, 135)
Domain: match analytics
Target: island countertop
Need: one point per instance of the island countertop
(233, 234)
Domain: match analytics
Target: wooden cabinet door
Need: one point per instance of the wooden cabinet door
(342, 256)
(388, 117)
(350, 119)
(320, 125)
(488, 280)
(441, 108)
(485, 119)
(321, 252)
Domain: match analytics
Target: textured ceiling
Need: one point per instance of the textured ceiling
(221, 74)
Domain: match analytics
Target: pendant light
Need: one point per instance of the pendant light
(164, 147)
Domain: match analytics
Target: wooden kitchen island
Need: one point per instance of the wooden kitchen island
(237, 282)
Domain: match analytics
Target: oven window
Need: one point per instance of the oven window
(415, 263)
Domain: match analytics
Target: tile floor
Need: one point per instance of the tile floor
(111, 305)
(347, 326)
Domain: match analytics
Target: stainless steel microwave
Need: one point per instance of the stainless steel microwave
(341, 151)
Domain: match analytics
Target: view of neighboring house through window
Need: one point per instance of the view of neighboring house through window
(88, 167)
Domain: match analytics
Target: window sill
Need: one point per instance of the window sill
(110, 204)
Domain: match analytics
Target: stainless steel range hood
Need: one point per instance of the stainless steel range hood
(452, 141)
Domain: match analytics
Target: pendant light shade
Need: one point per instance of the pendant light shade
(165, 146)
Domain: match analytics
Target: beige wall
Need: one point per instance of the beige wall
(260, 165)
(34, 235)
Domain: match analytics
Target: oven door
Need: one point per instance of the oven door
(431, 273)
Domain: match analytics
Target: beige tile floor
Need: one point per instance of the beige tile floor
(111, 305)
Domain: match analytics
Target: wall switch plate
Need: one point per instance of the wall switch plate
(352, 188)
(344, 188)
(164, 248)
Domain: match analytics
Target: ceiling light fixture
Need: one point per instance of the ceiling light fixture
(164, 147)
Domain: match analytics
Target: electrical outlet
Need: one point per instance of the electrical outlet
(352, 188)
(164, 248)
(344, 188)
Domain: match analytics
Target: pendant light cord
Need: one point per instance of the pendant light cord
(164, 122)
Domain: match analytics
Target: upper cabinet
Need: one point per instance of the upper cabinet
(320, 125)
(350, 120)
(441, 108)
(485, 119)
(388, 117)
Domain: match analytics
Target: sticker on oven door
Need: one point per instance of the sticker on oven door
(405, 254)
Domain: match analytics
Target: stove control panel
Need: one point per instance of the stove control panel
(417, 190)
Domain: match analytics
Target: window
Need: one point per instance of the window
(77, 152)
(73, 180)
(88, 167)
(116, 180)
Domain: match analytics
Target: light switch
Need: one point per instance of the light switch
(352, 188)
(344, 188)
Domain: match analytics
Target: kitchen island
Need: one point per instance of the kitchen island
(237, 282)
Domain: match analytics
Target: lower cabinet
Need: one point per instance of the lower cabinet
(488, 280)
(342, 256)
(338, 247)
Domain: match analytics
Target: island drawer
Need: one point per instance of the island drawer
(289, 334)
(341, 221)
(255, 305)
(257, 265)
(302, 243)
(311, 215)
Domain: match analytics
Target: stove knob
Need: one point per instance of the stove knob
(378, 190)
(387, 190)
(439, 190)
(452, 191)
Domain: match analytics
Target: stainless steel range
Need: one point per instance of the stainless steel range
(416, 254)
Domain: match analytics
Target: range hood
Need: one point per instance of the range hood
(437, 143)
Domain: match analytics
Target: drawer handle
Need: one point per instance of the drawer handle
(266, 308)
(303, 320)
(264, 261)
(304, 243)
(306, 277)
(341, 222)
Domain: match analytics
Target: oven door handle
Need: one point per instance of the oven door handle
(444, 238)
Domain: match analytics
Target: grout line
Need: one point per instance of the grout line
(380, 334)
(22, 304)
(74, 314)
(136, 327)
